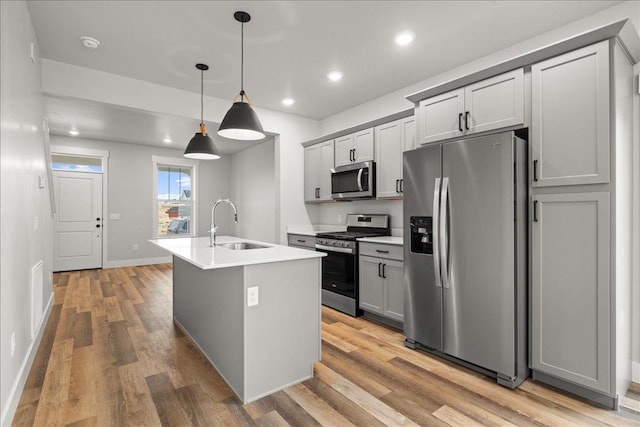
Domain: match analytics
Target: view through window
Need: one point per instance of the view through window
(175, 201)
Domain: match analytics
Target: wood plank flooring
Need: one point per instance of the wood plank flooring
(111, 356)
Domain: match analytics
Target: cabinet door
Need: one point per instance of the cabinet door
(389, 154)
(438, 117)
(344, 155)
(494, 103)
(324, 169)
(394, 289)
(408, 131)
(570, 289)
(570, 118)
(371, 285)
(363, 145)
(311, 165)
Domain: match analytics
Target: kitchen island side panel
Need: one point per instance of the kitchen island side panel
(283, 331)
(208, 306)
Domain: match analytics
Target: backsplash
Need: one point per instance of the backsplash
(335, 213)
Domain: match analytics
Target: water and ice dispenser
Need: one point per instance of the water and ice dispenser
(421, 229)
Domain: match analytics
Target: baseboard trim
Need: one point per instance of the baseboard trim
(635, 372)
(15, 393)
(136, 261)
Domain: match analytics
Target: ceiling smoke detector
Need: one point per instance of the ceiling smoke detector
(90, 42)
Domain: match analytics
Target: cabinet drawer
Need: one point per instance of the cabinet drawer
(381, 250)
(302, 240)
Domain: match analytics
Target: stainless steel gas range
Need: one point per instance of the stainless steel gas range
(340, 266)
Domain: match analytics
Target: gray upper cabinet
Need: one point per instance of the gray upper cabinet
(570, 118)
(318, 162)
(494, 103)
(570, 290)
(355, 147)
(392, 139)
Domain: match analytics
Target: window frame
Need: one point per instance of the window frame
(179, 163)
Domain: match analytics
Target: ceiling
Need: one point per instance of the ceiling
(290, 46)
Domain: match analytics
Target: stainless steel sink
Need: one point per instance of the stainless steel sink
(240, 246)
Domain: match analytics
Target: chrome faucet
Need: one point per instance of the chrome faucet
(212, 231)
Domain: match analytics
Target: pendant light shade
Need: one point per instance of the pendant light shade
(241, 122)
(201, 145)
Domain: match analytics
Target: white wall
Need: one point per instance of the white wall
(635, 274)
(22, 159)
(253, 189)
(77, 82)
(130, 194)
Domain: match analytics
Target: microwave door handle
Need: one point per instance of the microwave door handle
(360, 179)
(436, 232)
(444, 258)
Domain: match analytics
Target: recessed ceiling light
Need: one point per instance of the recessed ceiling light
(404, 38)
(334, 76)
(167, 140)
(74, 132)
(288, 101)
(90, 42)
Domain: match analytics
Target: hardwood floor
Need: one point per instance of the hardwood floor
(111, 356)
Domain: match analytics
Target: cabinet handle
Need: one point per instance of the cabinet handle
(460, 122)
(351, 155)
(383, 275)
(379, 265)
(380, 251)
(302, 241)
(317, 192)
(535, 211)
(397, 185)
(466, 120)
(535, 170)
(97, 225)
(354, 154)
(402, 185)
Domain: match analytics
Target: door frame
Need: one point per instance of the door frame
(104, 156)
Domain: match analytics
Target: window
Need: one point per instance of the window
(70, 162)
(174, 207)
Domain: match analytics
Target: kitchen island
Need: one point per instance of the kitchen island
(254, 313)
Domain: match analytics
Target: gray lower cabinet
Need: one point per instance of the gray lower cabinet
(570, 292)
(302, 241)
(381, 281)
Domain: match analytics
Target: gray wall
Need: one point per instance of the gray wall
(253, 190)
(21, 200)
(334, 213)
(130, 193)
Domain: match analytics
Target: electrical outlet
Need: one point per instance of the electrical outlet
(252, 296)
(114, 216)
(13, 343)
(135, 247)
(339, 218)
(36, 224)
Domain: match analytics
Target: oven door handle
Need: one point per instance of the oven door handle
(334, 249)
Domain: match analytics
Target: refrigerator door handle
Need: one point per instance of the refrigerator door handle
(444, 238)
(436, 233)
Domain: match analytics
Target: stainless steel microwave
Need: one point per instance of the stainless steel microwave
(354, 181)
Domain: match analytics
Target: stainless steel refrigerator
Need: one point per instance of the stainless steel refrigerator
(465, 252)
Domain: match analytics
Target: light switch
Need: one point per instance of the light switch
(252, 296)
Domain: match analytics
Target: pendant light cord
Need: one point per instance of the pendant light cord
(201, 96)
(242, 61)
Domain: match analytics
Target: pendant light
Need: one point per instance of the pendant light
(201, 145)
(241, 122)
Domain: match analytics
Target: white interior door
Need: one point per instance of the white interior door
(78, 223)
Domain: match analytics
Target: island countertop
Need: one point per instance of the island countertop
(196, 251)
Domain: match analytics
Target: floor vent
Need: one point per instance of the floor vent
(37, 283)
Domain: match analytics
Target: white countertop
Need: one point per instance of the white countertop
(312, 230)
(387, 240)
(196, 250)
